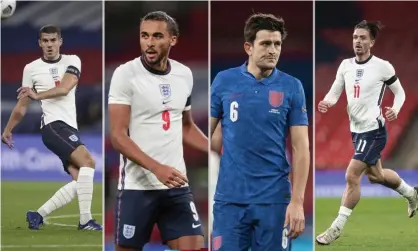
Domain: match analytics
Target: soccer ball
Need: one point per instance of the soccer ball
(8, 8)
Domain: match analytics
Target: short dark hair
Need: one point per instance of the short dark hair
(372, 27)
(260, 21)
(172, 26)
(49, 29)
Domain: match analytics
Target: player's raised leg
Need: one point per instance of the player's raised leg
(61, 198)
(389, 178)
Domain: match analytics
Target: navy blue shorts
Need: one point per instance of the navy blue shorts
(368, 146)
(173, 210)
(62, 140)
(237, 227)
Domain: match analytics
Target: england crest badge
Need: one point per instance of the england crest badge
(128, 231)
(165, 90)
(276, 98)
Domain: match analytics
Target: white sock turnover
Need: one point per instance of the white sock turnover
(342, 217)
(61, 198)
(405, 190)
(85, 193)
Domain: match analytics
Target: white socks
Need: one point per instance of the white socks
(342, 217)
(85, 193)
(61, 198)
(405, 190)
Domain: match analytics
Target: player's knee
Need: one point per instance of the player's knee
(352, 179)
(90, 162)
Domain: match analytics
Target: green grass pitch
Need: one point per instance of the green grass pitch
(60, 234)
(376, 224)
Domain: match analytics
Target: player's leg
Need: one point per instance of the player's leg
(232, 225)
(82, 158)
(61, 198)
(269, 231)
(351, 197)
(179, 221)
(368, 147)
(64, 141)
(391, 179)
(136, 212)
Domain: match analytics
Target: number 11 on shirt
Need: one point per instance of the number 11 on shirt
(356, 91)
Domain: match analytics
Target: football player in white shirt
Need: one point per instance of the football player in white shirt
(150, 118)
(364, 79)
(52, 80)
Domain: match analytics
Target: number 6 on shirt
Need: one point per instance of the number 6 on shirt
(166, 118)
(233, 111)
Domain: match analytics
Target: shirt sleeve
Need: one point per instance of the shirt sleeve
(119, 92)
(74, 66)
(215, 98)
(389, 75)
(26, 78)
(188, 105)
(298, 114)
(337, 87)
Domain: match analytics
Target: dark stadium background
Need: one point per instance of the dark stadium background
(227, 39)
(122, 44)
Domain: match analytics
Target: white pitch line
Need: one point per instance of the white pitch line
(52, 246)
(63, 217)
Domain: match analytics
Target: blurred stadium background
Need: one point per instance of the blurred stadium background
(227, 39)
(122, 45)
(396, 43)
(31, 174)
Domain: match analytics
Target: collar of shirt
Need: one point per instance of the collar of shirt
(266, 81)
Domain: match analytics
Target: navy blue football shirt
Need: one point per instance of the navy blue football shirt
(255, 117)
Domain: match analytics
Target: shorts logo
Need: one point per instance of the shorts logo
(217, 243)
(73, 138)
(165, 90)
(276, 98)
(128, 231)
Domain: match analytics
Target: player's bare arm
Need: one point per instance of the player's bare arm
(213, 123)
(119, 119)
(216, 139)
(300, 169)
(192, 135)
(17, 114)
(399, 93)
(68, 82)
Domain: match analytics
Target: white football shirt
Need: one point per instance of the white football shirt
(365, 83)
(157, 103)
(42, 75)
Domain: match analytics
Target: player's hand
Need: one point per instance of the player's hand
(169, 176)
(323, 106)
(390, 114)
(26, 92)
(296, 218)
(7, 139)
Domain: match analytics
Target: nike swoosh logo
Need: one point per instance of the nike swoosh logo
(166, 102)
(195, 226)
